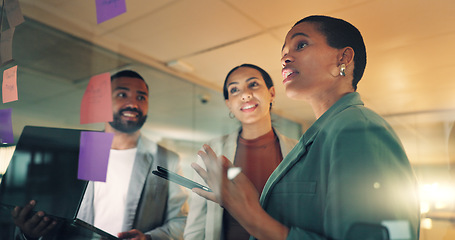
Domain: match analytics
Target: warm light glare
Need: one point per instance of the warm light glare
(424, 207)
(436, 196)
(436, 193)
(440, 205)
(5, 156)
(426, 223)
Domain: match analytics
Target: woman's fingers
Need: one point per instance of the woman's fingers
(215, 174)
(210, 153)
(200, 171)
(225, 164)
(207, 195)
(210, 159)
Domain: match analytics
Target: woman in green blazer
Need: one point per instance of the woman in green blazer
(348, 175)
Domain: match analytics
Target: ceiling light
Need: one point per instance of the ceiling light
(179, 66)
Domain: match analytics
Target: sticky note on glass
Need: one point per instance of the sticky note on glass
(13, 13)
(6, 126)
(6, 45)
(96, 105)
(9, 85)
(398, 229)
(94, 153)
(107, 9)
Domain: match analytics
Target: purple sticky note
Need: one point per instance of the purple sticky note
(6, 126)
(107, 9)
(94, 155)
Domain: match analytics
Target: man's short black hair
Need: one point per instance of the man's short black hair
(128, 73)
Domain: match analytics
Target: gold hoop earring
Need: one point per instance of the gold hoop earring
(342, 70)
(231, 115)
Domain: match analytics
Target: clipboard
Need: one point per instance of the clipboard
(174, 177)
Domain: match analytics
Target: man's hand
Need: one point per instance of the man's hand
(34, 226)
(134, 235)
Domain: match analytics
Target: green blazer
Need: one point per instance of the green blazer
(348, 168)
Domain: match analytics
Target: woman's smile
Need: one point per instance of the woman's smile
(249, 107)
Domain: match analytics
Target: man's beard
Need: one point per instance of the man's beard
(128, 126)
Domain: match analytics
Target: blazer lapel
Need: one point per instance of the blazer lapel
(305, 141)
(289, 161)
(231, 146)
(141, 168)
(86, 212)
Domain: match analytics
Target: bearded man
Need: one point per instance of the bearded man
(132, 203)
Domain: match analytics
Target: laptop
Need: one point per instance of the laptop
(44, 168)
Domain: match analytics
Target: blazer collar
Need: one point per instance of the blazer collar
(306, 140)
(146, 151)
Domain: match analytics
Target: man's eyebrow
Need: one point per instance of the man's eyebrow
(295, 35)
(121, 88)
(127, 89)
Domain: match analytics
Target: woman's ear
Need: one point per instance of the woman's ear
(346, 56)
(272, 93)
(228, 104)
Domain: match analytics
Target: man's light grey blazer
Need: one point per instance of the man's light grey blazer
(154, 206)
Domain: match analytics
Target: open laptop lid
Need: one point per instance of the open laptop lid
(44, 168)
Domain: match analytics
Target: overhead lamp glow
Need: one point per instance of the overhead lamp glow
(179, 66)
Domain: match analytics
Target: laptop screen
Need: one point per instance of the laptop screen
(44, 168)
